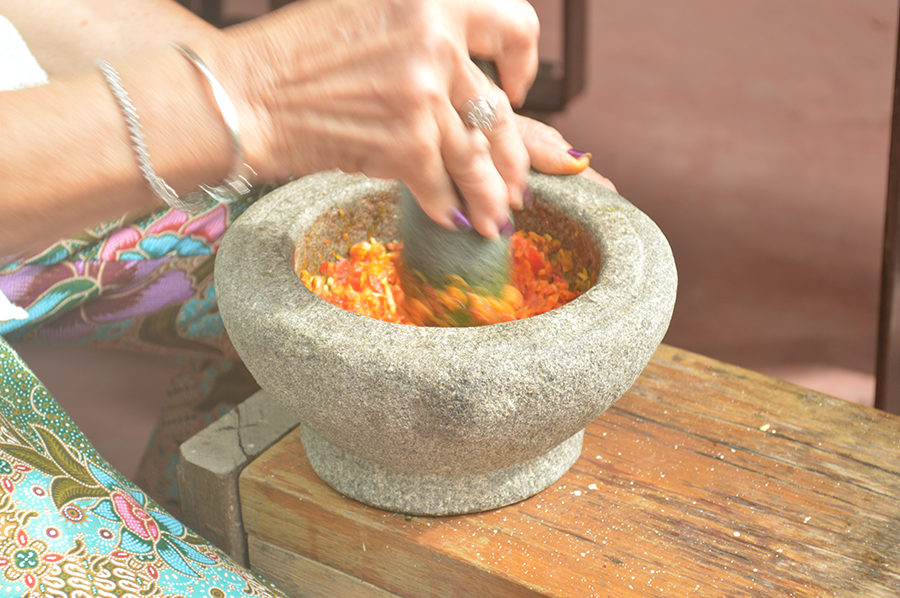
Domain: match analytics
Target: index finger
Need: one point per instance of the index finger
(506, 32)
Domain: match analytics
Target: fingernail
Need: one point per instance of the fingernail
(527, 198)
(507, 229)
(577, 154)
(460, 220)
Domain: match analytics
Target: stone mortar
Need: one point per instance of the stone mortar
(439, 421)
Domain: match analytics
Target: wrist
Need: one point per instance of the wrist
(241, 176)
(237, 59)
(181, 128)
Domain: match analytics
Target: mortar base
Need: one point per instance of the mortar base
(378, 487)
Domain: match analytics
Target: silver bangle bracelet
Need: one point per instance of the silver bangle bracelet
(239, 181)
(241, 176)
(139, 143)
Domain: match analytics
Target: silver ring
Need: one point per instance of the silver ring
(481, 113)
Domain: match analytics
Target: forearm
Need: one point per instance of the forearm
(66, 160)
(67, 36)
(371, 86)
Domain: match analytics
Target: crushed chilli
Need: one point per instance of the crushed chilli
(368, 282)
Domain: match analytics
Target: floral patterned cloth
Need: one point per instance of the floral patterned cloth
(70, 525)
(142, 282)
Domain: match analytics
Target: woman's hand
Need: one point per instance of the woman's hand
(551, 154)
(380, 87)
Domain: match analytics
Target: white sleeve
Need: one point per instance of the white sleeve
(10, 311)
(18, 68)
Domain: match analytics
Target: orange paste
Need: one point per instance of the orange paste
(367, 282)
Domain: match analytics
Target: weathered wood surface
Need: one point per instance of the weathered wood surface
(299, 576)
(704, 480)
(211, 461)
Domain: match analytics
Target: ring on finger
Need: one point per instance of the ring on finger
(481, 113)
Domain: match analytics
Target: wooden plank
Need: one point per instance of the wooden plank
(704, 480)
(300, 577)
(211, 461)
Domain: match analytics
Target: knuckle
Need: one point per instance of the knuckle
(480, 148)
(529, 25)
(533, 24)
(525, 32)
(421, 89)
(435, 39)
(414, 145)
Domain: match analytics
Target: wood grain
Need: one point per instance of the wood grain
(704, 480)
(300, 576)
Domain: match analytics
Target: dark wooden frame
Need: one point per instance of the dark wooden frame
(551, 92)
(887, 367)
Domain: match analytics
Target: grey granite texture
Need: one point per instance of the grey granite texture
(435, 494)
(451, 411)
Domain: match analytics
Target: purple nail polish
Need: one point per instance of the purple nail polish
(460, 220)
(527, 198)
(507, 228)
(576, 154)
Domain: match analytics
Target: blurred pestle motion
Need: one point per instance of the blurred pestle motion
(460, 263)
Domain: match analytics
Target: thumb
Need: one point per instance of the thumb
(550, 153)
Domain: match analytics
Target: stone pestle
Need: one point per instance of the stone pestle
(437, 257)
